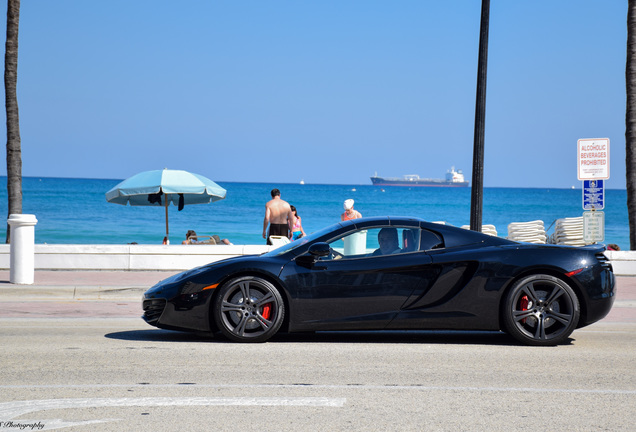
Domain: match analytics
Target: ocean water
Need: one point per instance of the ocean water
(75, 211)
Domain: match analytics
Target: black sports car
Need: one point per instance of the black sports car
(391, 273)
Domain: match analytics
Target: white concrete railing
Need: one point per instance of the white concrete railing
(623, 262)
(130, 257)
(182, 257)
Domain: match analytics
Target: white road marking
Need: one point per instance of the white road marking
(10, 410)
(624, 303)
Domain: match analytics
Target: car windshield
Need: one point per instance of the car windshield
(302, 241)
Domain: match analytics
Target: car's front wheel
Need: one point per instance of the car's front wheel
(541, 310)
(248, 309)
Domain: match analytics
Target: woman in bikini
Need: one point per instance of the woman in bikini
(297, 229)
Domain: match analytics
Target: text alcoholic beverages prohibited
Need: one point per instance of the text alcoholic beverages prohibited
(593, 158)
(593, 226)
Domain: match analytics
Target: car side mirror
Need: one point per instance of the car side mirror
(319, 250)
(316, 251)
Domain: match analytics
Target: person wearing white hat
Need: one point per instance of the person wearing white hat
(349, 212)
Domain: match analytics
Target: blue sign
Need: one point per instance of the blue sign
(593, 195)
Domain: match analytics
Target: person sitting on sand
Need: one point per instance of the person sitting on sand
(192, 238)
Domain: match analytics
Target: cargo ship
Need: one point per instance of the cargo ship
(453, 179)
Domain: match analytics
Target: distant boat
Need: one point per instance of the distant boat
(302, 182)
(453, 179)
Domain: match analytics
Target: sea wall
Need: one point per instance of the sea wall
(182, 257)
(623, 262)
(130, 257)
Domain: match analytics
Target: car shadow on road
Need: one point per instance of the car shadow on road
(158, 335)
(401, 337)
(379, 337)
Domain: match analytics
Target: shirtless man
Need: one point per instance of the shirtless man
(279, 216)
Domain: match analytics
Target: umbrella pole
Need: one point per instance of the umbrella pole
(167, 231)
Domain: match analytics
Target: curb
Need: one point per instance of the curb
(56, 292)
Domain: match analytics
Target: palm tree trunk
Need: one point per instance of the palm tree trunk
(14, 149)
(477, 183)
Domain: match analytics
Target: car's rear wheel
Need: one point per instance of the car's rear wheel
(541, 310)
(248, 309)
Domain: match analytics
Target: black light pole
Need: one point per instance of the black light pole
(477, 185)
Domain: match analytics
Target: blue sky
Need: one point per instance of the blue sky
(325, 91)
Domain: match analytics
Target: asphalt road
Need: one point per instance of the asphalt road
(111, 374)
(93, 365)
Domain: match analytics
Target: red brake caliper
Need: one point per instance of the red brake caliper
(267, 311)
(523, 305)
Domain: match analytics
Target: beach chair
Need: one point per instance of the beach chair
(568, 231)
(205, 239)
(278, 240)
(529, 232)
(485, 229)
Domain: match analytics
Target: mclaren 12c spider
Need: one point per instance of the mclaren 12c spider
(391, 273)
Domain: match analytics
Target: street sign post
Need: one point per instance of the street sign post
(593, 159)
(593, 226)
(593, 168)
(593, 195)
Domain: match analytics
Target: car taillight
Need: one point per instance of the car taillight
(573, 272)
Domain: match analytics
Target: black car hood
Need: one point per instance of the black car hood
(201, 269)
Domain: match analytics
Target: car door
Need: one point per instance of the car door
(357, 290)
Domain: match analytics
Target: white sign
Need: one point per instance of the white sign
(593, 158)
(593, 226)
